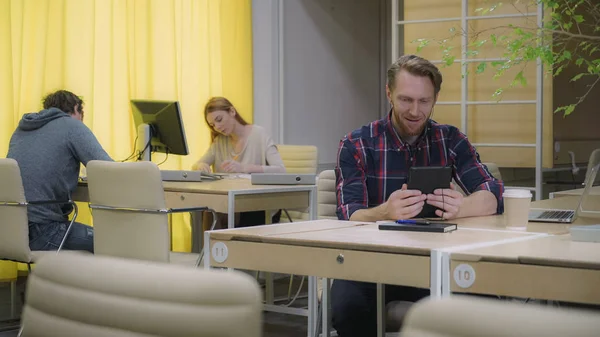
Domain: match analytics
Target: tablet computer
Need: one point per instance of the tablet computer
(427, 179)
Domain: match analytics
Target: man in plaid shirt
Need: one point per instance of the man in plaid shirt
(372, 171)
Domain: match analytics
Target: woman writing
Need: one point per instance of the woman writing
(238, 147)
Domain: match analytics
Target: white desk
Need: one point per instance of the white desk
(231, 195)
(345, 250)
(550, 268)
(358, 251)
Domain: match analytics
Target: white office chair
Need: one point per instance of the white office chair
(14, 224)
(298, 159)
(130, 213)
(458, 316)
(75, 295)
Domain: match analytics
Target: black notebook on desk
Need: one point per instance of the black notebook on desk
(434, 227)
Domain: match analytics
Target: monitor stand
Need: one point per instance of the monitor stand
(143, 146)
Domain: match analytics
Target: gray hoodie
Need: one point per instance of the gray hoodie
(50, 146)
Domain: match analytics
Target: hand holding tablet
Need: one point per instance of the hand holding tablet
(434, 183)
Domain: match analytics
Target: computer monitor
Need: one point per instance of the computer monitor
(159, 127)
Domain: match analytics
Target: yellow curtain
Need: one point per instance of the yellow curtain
(111, 51)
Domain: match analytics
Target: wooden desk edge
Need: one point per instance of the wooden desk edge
(409, 270)
(529, 281)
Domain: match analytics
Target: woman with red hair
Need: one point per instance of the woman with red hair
(237, 147)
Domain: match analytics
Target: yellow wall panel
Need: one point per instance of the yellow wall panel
(111, 51)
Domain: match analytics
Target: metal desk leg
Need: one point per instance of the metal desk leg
(313, 301)
(13, 299)
(325, 300)
(381, 310)
(207, 252)
(269, 291)
(312, 305)
(436, 273)
(230, 213)
(269, 284)
(313, 208)
(445, 270)
(230, 209)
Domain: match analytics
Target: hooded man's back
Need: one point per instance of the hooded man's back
(49, 147)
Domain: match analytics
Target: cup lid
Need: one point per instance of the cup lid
(517, 193)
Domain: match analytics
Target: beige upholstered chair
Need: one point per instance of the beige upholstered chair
(14, 224)
(130, 213)
(75, 295)
(327, 196)
(298, 159)
(464, 317)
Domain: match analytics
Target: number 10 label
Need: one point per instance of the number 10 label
(464, 275)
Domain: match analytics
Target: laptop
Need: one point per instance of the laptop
(565, 215)
(283, 179)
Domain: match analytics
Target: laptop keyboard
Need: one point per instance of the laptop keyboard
(559, 215)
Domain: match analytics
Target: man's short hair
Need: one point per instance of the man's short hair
(417, 66)
(64, 100)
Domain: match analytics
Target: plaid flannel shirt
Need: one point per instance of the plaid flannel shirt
(374, 161)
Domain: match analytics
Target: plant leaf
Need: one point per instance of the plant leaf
(569, 109)
(576, 77)
(480, 68)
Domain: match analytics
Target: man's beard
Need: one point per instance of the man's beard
(403, 129)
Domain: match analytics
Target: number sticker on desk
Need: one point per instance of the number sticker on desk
(219, 252)
(464, 275)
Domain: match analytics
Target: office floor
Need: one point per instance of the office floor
(275, 324)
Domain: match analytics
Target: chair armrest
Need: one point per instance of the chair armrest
(188, 209)
(50, 202)
(145, 210)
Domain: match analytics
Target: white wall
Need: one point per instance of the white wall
(333, 54)
(265, 50)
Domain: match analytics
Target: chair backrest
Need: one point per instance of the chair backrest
(73, 295)
(460, 317)
(14, 226)
(138, 235)
(327, 196)
(326, 199)
(299, 158)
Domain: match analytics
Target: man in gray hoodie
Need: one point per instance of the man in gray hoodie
(50, 147)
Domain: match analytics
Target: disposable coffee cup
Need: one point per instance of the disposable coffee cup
(516, 208)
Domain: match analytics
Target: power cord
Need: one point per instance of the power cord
(139, 155)
(443, 205)
(442, 209)
(166, 157)
(132, 153)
